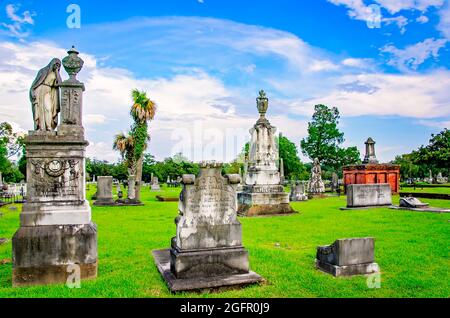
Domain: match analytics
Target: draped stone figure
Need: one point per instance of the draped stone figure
(44, 97)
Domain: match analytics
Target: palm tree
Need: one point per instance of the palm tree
(142, 112)
(125, 145)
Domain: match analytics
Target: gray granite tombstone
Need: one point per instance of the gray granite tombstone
(56, 231)
(345, 257)
(368, 195)
(207, 250)
(410, 202)
(104, 191)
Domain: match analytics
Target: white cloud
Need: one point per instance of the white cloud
(414, 96)
(441, 124)
(358, 10)
(444, 22)
(414, 55)
(18, 21)
(423, 19)
(395, 6)
(358, 63)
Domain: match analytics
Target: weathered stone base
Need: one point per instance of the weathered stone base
(163, 259)
(365, 207)
(42, 254)
(208, 263)
(347, 270)
(266, 209)
(105, 202)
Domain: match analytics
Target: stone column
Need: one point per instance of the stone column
(56, 232)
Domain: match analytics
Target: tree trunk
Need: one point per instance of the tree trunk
(139, 177)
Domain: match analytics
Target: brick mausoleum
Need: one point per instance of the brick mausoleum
(370, 171)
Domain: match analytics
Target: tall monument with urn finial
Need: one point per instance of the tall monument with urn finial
(263, 191)
(56, 238)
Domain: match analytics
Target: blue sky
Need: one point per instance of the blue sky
(203, 63)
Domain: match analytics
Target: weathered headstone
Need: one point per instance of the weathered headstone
(440, 179)
(298, 192)
(263, 191)
(55, 231)
(368, 195)
(155, 184)
(207, 250)
(315, 184)
(334, 182)
(104, 191)
(346, 257)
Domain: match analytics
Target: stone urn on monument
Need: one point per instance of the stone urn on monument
(262, 192)
(56, 236)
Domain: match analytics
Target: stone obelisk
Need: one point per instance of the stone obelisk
(56, 239)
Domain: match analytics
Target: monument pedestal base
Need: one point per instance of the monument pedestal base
(105, 202)
(42, 254)
(347, 270)
(163, 262)
(263, 203)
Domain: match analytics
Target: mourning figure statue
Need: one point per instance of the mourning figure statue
(44, 97)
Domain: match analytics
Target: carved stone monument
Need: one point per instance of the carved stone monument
(348, 257)
(263, 192)
(334, 182)
(207, 250)
(104, 191)
(298, 192)
(368, 195)
(315, 184)
(55, 231)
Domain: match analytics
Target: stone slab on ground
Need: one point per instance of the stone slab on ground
(3, 240)
(162, 260)
(166, 199)
(427, 209)
(265, 210)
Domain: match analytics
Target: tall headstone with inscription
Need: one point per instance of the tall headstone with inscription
(263, 191)
(207, 250)
(56, 232)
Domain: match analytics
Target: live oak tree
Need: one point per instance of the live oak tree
(324, 140)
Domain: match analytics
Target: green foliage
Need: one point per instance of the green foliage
(293, 167)
(437, 153)
(324, 139)
(170, 167)
(11, 144)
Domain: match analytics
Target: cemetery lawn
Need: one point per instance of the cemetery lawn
(412, 249)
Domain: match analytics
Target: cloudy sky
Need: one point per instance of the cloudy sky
(383, 63)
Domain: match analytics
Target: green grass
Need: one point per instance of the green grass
(412, 249)
(426, 190)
